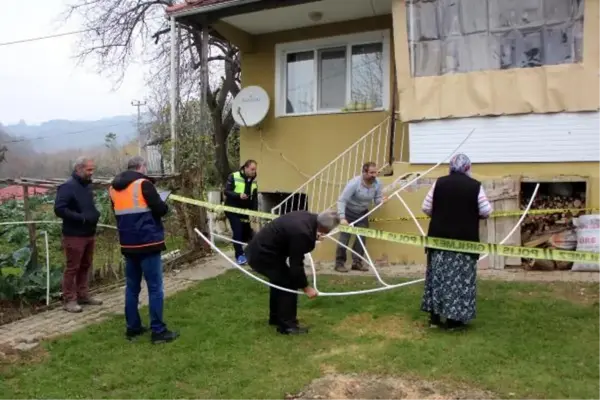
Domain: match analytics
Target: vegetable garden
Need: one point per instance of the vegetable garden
(23, 270)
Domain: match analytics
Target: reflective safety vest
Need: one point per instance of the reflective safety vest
(137, 226)
(239, 184)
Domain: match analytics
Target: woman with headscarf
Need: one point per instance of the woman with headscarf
(455, 203)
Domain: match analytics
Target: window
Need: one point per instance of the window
(338, 74)
(454, 36)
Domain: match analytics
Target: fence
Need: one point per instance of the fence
(31, 271)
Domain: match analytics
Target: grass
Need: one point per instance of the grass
(528, 341)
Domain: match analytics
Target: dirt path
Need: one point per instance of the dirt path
(26, 333)
(355, 386)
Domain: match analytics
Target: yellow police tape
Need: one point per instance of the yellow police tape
(423, 241)
(498, 214)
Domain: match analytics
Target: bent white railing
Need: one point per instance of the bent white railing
(322, 190)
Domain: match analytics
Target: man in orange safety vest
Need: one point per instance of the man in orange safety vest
(138, 209)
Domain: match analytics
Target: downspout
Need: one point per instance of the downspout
(173, 91)
(411, 39)
(392, 124)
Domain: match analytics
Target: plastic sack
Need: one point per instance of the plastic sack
(588, 239)
(566, 240)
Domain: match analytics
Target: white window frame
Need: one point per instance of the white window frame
(283, 49)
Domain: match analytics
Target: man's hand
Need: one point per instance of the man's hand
(243, 196)
(310, 292)
(384, 199)
(343, 221)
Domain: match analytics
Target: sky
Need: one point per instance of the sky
(41, 80)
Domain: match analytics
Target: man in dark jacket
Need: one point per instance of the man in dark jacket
(138, 209)
(241, 191)
(74, 204)
(290, 236)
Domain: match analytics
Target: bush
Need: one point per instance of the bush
(30, 284)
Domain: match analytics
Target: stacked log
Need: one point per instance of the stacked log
(555, 231)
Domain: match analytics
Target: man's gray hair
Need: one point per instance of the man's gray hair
(135, 163)
(81, 161)
(328, 220)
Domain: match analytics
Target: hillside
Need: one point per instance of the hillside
(57, 135)
(17, 155)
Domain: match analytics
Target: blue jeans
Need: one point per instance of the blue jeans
(150, 266)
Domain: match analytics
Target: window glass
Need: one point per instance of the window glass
(332, 78)
(300, 74)
(367, 74)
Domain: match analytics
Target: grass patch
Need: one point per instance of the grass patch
(528, 341)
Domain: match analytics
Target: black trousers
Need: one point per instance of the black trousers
(241, 229)
(283, 306)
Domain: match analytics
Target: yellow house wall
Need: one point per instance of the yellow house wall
(307, 142)
(385, 252)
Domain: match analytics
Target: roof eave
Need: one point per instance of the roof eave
(209, 8)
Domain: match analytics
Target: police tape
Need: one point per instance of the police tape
(424, 241)
(222, 208)
(499, 214)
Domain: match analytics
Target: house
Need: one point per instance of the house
(402, 83)
(15, 192)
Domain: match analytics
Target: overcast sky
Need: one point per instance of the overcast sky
(40, 80)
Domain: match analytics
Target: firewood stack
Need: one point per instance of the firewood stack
(554, 231)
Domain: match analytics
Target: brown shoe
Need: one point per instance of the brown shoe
(341, 268)
(359, 267)
(90, 301)
(72, 307)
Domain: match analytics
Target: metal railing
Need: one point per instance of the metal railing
(322, 190)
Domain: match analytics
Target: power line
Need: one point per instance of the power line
(64, 133)
(141, 139)
(34, 39)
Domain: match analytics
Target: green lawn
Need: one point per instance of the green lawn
(529, 341)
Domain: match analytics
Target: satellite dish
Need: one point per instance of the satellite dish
(250, 106)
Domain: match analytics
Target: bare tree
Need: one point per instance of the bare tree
(118, 33)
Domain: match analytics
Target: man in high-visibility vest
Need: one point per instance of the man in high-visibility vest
(241, 191)
(138, 209)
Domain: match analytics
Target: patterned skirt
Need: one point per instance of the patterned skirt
(451, 285)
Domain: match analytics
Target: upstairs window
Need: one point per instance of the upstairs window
(338, 74)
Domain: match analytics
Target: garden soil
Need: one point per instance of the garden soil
(354, 386)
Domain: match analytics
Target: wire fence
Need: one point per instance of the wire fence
(30, 276)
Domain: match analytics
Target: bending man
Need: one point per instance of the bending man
(290, 236)
(353, 204)
(139, 209)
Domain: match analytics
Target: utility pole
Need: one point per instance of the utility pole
(141, 141)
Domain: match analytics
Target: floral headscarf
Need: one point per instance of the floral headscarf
(461, 164)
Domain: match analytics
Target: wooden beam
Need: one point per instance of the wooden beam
(253, 7)
(30, 227)
(241, 39)
(214, 16)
